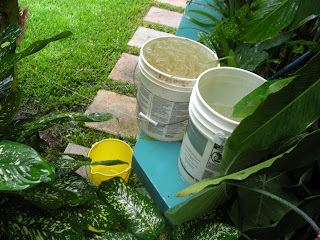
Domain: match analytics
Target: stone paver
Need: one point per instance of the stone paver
(144, 34)
(80, 150)
(123, 107)
(126, 69)
(164, 17)
(177, 3)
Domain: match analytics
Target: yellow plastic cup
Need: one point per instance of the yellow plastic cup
(110, 149)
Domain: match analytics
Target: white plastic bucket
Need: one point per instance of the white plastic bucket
(202, 145)
(164, 92)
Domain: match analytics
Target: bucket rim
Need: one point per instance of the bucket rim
(110, 175)
(168, 75)
(196, 88)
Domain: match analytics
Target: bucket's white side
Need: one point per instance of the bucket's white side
(164, 107)
(207, 130)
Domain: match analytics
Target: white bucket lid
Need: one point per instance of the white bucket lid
(167, 78)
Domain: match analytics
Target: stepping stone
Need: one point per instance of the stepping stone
(80, 150)
(164, 17)
(126, 69)
(144, 34)
(177, 3)
(121, 106)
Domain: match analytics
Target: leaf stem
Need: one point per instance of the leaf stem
(285, 202)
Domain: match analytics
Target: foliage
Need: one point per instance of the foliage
(280, 159)
(255, 34)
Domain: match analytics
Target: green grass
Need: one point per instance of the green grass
(82, 62)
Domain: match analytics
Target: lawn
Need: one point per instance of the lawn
(66, 75)
(81, 63)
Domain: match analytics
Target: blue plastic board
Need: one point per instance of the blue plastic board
(156, 163)
(189, 29)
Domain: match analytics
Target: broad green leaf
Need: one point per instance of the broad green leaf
(95, 217)
(67, 190)
(9, 60)
(8, 38)
(291, 221)
(198, 22)
(22, 167)
(241, 175)
(6, 83)
(268, 19)
(307, 11)
(248, 104)
(283, 114)
(209, 230)
(19, 130)
(199, 204)
(9, 106)
(135, 211)
(109, 235)
(26, 222)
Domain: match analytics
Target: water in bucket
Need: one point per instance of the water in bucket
(169, 67)
(214, 94)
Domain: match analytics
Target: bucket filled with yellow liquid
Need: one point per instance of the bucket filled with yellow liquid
(110, 149)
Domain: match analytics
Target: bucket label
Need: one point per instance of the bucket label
(199, 157)
(171, 117)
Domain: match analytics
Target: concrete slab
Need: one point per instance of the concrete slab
(177, 3)
(126, 69)
(164, 17)
(123, 107)
(80, 150)
(144, 34)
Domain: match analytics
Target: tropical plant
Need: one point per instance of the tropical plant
(262, 35)
(270, 163)
(43, 198)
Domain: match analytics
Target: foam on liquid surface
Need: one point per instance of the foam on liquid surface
(224, 110)
(179, 58)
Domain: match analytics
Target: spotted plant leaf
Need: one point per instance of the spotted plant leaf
(109, 235)
(96, 217)
(134, 210)
(204, 230)
(22, 167)
(68, 189)
(8, 38)
(66, 165)
(19, 130)
(9, 106)
(22, 222)
(9, 60)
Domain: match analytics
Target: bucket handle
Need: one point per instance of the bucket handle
(219, 138)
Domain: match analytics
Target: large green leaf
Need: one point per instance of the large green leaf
(9, 105)
(9, 60)
(8, 38)
(21, 222)
(199, 204)
(135, 211)
(19, 130)
(268, 18)
(95, 217)
(209, 230)
(254, 208)
(307, 11)
(68, 189)
(247, 105)
(289, 222)
(241, 175)
(21, 167)
(283, 114)
(109, 235)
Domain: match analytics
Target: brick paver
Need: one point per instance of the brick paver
(177, 3)
(126, 69)
(144, 34)
(123, 107)
(164, 17)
